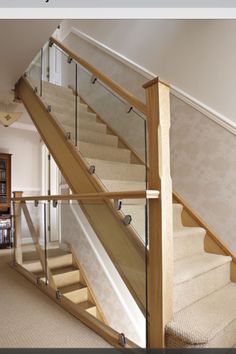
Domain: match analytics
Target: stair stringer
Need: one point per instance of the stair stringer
(126, 251)
(110, 290)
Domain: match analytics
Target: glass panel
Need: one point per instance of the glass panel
(33, 238)
(108, 237)
(114, 111)
(34, 72)
(57, 94)
(113, 260)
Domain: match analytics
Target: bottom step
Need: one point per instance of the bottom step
(208, 323)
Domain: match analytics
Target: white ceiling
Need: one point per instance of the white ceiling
(20, 41)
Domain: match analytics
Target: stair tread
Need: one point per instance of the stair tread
(115, 185)
(202, 321)
(189, 231)
(62, 270)
(73, 287)
(190, 267)
(85, 305)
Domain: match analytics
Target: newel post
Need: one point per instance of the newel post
(17, 227)
(160, 260)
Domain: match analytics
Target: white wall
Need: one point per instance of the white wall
(198, 56)
(26, 158)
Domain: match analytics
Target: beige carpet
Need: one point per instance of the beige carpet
(29, 319)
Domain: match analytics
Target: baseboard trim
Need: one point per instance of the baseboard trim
(208, 112)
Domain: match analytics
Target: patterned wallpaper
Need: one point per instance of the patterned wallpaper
(203, 163)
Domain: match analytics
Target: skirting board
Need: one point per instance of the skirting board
(208, 112)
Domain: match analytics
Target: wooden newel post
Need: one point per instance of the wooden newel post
(17, 227)
(160, 264)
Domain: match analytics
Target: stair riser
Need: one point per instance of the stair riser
(177, 216)
(84, 125)
(94, 138)
(78, 296)
(68, 278)
(64, 106)
(89, 151)
(190, 291)
(188, 246)
(58, 262)
(63, 101)
(67, 115)
(92, 311)
(121, 173)
(34, 267)
(60, 91)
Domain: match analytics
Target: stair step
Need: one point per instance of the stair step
(115, 185)
(188, 241)
(177, 215)
(209, 322)
(198, 276)
(104, 152)
(78, 296)
(66, 115)
(53, 263)
(56, 89)
(112, 170)
(96, 138)
(60, 261)
(63, 101)
(66, 276)
(86, 125)
(71, 288)
(89, 307)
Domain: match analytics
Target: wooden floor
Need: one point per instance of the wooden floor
(31, 320)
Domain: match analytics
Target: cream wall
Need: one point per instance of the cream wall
(24, 146)
(198, 56)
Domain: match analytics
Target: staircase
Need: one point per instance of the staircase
(69, 278)
(204, 296)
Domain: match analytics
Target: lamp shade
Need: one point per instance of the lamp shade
(8, 118)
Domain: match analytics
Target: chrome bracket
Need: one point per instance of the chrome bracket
(38, 280)
(127, 220)
(68, 135)
(122, 339)
(36, 89)
(25, 74)
(49, 108)
(93, 79)
(118, 204)
(58, 295)
(54, 203)
(36, 203)
(50, 44)
(92, 169)
(69, 60)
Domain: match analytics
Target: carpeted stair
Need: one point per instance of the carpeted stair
(204, 296)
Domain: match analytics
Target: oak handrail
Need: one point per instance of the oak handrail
(125, 94)
(147, 194)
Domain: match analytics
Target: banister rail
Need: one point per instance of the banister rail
(125, 94)
(148, 194)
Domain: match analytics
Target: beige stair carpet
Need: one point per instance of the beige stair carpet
(30, 319)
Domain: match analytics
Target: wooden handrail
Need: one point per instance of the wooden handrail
(148, 194)
(125, 94)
